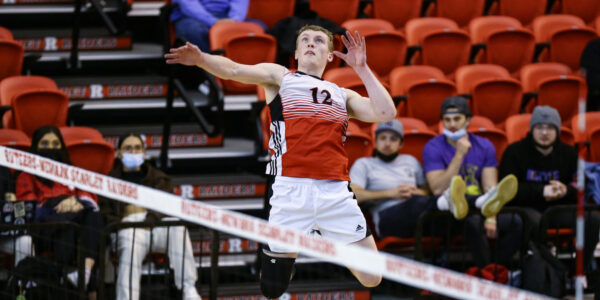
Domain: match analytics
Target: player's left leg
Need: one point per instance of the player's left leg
(367, 279)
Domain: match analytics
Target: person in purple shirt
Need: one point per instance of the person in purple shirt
(459, 156)
(194, 18)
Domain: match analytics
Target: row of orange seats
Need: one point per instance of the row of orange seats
(86, 146)
(359, 142)
(400, 12)
(436, 42)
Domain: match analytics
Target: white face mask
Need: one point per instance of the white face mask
(132, 161)
(455, 136)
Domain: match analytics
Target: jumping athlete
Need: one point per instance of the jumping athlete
(309, 120)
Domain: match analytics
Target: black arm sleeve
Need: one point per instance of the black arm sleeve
(529, 193)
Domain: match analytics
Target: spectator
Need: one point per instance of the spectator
(20, 245)
(590, 65)
(194, 18)
(131, 167)
(546, 169)
(473, 158)
(58, 202)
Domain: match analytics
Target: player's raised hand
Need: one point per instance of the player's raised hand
(357, 50)
(189, 55)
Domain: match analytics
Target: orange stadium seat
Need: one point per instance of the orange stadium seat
(596, 24)
(346, 77)
(442, 43)
(524, 11)
(494, 94)
(5, 34)
(222, 32)
(12, 87)
(517, 127)
(11, 58)
(587, 10)
(14, 139)
(88, 149)
(461, 11)
(358, 143)
(36, 108)
(554, 87)
(484, 127)
(337, 11)
(506, 42)
(271, 11)
(397, 12)
(416, 135)
(386, 48)
(567, 36)
(425, 88)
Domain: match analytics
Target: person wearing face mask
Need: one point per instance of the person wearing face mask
(546, 169)
(394, 186)
(58, 202)
(134, 245)
(457, 155)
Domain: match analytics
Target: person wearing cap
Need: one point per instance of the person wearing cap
(546, 169)
(463, 165)
(393, 185)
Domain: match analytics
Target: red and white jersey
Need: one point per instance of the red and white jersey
(308, 129)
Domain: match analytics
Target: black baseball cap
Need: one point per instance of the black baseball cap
(457, 102)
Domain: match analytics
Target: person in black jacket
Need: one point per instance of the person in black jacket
(590, 65)
(546, 169)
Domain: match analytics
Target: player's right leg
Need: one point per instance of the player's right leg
(277, 269)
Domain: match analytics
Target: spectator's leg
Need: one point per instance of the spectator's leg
(194, 32)
(92, 227)
(533, 217)
(133, 247)
(401, 219)
(20, 246)
(181, 256)
(592, 226)
(476, 240)
(510, 230)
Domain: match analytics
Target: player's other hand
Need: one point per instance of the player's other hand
(188, 55)
(357, 50)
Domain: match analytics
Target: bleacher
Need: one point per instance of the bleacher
(505, 56)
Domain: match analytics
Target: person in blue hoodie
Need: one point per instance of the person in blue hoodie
(194, 18)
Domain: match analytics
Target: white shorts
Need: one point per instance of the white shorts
(310, 205)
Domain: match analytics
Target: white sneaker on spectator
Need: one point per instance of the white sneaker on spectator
(73, 277)
(498, 196)
(455, 195)
(190, 293)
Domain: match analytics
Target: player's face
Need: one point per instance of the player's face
(388, 142)
(132, 145)
(313, 48)
(544, 134)
(49, 141)
(454, 121)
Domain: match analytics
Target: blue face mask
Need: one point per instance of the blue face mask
(132, 161)
(455, 136)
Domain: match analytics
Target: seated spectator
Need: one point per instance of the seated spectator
(130, 166)
(58, 202)
(545, 168)
(20, 245)
(194, 18)
(458, 155)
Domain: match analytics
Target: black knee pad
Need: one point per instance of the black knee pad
(276, 273)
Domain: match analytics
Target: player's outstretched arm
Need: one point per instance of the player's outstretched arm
(380, 108)
(265, 74)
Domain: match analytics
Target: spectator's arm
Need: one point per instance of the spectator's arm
(25, 188)
(363, 195)
(193, 9)
(489, 178)
(89, 199)
(238, 9)
(109, 210)
(439, 180)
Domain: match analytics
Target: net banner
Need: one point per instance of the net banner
(396, 268)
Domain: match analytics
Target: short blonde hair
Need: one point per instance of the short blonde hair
(317, 28)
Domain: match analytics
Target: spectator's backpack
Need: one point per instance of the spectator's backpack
(37, 278)
(542, 272)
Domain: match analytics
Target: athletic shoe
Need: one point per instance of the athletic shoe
(501, 194)
(190, 293)
(455, 195)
